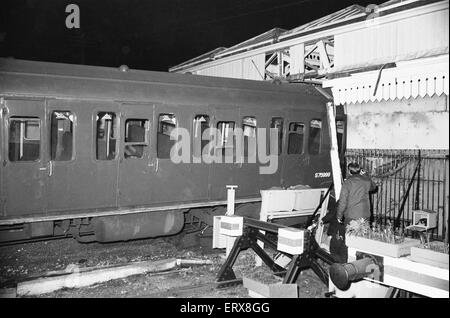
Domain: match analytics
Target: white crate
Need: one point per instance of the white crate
(231, 225)
(258, 289)
(423, 220)
(291, 240)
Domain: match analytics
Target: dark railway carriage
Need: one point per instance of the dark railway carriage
(85, 150)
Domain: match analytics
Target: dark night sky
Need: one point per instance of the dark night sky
(146, 34)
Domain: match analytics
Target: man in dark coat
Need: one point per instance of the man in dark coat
(354, 201)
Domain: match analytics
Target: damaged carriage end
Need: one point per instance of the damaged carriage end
(137, 226)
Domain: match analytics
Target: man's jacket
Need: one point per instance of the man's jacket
(354, 198)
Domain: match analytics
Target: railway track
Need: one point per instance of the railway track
(50, 238)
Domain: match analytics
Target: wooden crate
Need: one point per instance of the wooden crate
(430, 257)
(258, 289)
(381, 248)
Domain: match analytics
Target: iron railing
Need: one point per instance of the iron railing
(408, 180)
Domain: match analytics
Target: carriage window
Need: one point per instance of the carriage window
(226, 143)
(24, 138)
(249, 132)
(135, 138)
(296, 136)
(61, 139)
(166, 123)
(315, 129)
(200, 124)
(340, 134)
(106, 135)
(277, 122)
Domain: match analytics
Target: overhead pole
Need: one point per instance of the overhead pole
(334, 152)
(334, 149)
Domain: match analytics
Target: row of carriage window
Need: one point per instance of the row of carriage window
(25, 136)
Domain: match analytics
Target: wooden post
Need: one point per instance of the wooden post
(230, 211)
(230, 199)
(324, 59)
(301, 66)
(297, 53)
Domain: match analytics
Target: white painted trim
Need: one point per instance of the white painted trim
(415, 287)
(415, 78)
(407, 264)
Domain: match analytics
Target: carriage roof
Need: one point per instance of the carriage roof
(44, 78)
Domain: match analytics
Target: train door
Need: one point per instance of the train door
(275, 120)
(24, 166)
(199, 121)
(226, 119)
(173, 178)
(83, 154)
(136, 165)
(247, 176)
(65, 178)
(297, 159)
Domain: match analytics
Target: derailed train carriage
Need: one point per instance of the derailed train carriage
(85, 151)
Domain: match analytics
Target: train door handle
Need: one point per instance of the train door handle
(155, 164)
(50, 168)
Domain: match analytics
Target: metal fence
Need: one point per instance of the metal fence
(408, 180)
